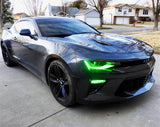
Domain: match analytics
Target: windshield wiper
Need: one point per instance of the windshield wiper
(60, 35)
(87, 33)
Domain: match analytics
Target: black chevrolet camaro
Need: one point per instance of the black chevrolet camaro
(79, 63)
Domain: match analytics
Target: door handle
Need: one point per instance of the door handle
(15, 38)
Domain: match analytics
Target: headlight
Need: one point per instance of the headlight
(99, 65)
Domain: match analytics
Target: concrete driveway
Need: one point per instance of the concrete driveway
(125, 29)
(25, 101)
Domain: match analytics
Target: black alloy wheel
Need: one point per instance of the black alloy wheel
(61, 83)
(6, 57)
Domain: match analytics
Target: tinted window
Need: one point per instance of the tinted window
(60, 26)
(25, 25)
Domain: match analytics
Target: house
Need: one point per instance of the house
(61, 11)
(89, 16)
(19, 16)
(126, 14)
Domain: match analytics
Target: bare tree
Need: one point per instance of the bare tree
(64, 8)
(35, 7)
(99, 5)
(1, 9)
(155, 4)
(80, 4)
(147, 3)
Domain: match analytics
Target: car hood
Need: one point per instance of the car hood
(109, 43)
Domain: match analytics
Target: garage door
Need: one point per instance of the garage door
(120, 20)
(93, 21)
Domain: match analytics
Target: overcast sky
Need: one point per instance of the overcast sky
(19, 6)
(129, 1)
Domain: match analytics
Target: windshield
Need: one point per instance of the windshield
(63, 26)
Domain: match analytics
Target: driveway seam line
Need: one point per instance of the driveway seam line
(46, 117)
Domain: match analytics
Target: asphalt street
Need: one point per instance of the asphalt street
(25, 101)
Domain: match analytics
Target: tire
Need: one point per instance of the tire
(6, 57)
(61, 83)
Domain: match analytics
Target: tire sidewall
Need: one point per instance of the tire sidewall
(71, 98)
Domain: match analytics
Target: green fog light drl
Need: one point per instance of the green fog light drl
(97, 81)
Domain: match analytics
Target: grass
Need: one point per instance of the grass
(152, 39)
(100, 28)
(148, 23)
(139, 32)
(127, 25)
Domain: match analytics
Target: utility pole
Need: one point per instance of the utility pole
(1, 22)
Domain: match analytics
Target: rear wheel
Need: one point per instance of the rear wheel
(61, 83)
(6, 57)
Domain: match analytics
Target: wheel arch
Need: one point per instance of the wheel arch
(5, 45)
(1, 41)
(50, 59)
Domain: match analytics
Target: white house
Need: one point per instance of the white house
(126, 14)
(89, 16)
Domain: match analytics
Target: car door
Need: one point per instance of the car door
(25, 48)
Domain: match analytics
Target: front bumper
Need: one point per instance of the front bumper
(101, 95)
(126, 83)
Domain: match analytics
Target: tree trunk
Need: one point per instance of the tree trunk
(1, 22)
(155, 13)
(155, 22)
(101, 20)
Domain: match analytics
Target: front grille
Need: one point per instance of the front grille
(133, 63)
(129, 87)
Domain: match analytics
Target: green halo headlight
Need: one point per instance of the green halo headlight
(99, 65)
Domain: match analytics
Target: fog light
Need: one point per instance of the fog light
(97, 81)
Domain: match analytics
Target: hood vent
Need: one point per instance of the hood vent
(101, 42)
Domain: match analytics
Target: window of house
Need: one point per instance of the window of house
(120, 9)
(130, 10)
(145, 12)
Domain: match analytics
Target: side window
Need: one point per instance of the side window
(25, 25)
(120, 9)
(130, 9)
(12, 29)
(145, 12)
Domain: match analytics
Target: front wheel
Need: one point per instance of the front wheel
(61, 83)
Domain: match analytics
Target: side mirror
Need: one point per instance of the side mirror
(25, 32)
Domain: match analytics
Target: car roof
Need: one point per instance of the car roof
(45, 17)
